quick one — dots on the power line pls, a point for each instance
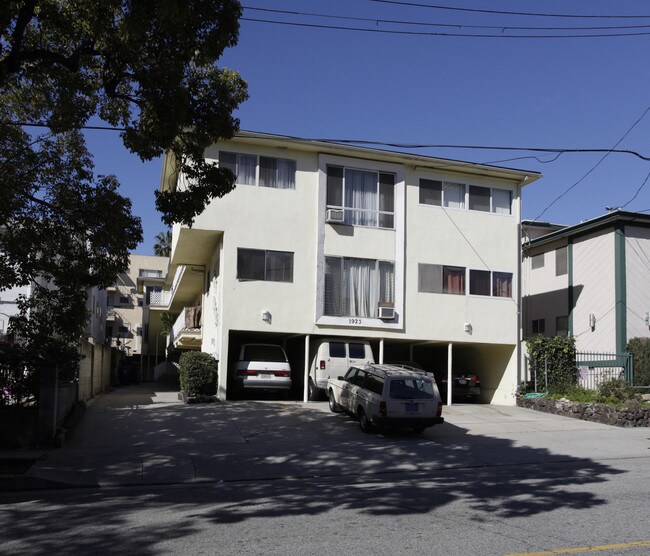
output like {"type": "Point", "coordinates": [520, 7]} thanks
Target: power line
{"type": "Point", "coordinates": [596, 165]}
{"type": "Point", "coordinates": [557, 151]}
{"type": "Point", "coordinates": [501, 28]}
{"type": "Point", "coordinates": [501, 12]}
{"type": "Point", "coordinates": [637, 191]}
{"type": "Point", "coordinates": [441, 34]}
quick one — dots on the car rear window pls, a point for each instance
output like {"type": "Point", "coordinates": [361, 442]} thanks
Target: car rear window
{"type": "Point", "coordinates": [263, 353]}
{"type": "Point", "coordinates": [337, 349]}
{"type": "Point", "coordinates": [357, 351]}
{"type": "Point", "coordinates": [411, 389]}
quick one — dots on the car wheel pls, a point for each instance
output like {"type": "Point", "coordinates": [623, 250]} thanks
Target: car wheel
{"type": "Point", "coordinates": [364, 422]}
{"type": "Point", "coordinates": [312, 392]}
{"type": "Point", "coordinates": [334, 407]}
{"type": "Point", "coordinates": [418, 430]}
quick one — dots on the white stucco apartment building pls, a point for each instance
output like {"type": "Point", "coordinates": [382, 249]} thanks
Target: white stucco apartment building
{"type": "Point", "coordinates": [418, 255]}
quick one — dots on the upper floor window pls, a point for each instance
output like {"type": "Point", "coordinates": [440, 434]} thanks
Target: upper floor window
{"type": "Point", "coordinates": [270, 266]}
{"type": "Point", "coordinates": [537, 261]}
{"type": "Point", "coordinates": [561, 326]}
{"type": "Point", "coordinates": [278, 173]}
{"type": "Point", "coordinates": [452, 195]}
{"type": "Point", "coordinates": [366, 197]}
{"type": "Point", "coordinates": [434, 278]}
{"type": "Point", "coordinates": [561, 261]}
{"type": "Point", "coordinates": [539, 326]}
{"type": "Point", "coordinates": [356, 287]}
{"type": "Point", "coordinates": [149, 273]}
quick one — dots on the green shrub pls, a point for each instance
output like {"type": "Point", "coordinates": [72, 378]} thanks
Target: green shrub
{"type": "Point", "coordinates": [576, 394]}
{"type": "Point", "coordinates": [554, 357]}
{"type": "Point", "coordinates": [198, 373]}
{"type": "Point", "coordinates": [640, 350]}
{"type": "Point", "coordinates": [616, 391]}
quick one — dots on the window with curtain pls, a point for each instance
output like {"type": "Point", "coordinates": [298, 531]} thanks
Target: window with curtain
{"type": "Point", "coordinates": [433, 278]}
{"type": "Point", "coordinates": [501, 201]}
{"type": "Point", "coordinates": [242, 165]}
{"type": "Point", "coordinates": [270, 266]}
{"type": "Point", "coordinates": [453, 195]}
{"type": "Point", "coordinates": [479, 198]}
{"type": "Point", "coordinates": [502, 284]}
{"type": "Point", "coordinates": [431, 192]}
{"type": "Point", "coordinates": [278, 173]}
{"type": "Point", "coordinates": [355, 287]}
{"type": "Point", "coordinates": [367, 197]}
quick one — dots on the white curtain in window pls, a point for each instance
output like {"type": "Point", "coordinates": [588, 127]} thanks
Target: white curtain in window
{"type": "Point", "coordinates": [501, 201]}
{"type": "Point", "coordinates": [362, 287]}
{"type": "Point", "coordinates": [454, 195]}
{"type": "Point", "coordinates": [386, 282]}
{"type": "Point", "coordinates": [361, 196]}
{"type": "Point", "coordinates": [246, 169]}
{"type": "Point", "coordinates": [286, 174]}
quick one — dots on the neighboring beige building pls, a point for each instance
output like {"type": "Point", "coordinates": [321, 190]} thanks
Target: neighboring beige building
{"type": "Point", "coordinates": [589, 280]}
{"type": "Point", "coordinates": [418, 255]}
{"type": "Point", "coordinates": [127, 319]}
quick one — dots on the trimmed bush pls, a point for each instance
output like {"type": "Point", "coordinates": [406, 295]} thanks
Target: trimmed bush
{"type": "Point", "coordinates": [198, 373]}
{"type": "Point", "coordinates": [640, 350]}
{"type": "Point", "coordinates": [555, 356]}
{"type": "Point", "coordinates": [616, 391]}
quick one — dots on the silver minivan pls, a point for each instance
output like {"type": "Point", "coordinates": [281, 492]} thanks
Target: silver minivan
{"type": "Point", "coordinates": [332, 358]}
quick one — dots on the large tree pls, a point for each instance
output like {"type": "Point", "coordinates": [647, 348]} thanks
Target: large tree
{"type": "Point", "coordinates": [146, 67]}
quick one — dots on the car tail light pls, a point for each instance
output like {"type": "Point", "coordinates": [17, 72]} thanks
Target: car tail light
{"type": "Point", "coordinates": [282, 373]}
{"type": "Point", "coordinates": [382, 409]}
{"type": "Point", "coordinates": [246, 372]}
{"type": "Point", "coordinates": [474, 379]}
{"type": "Point", "coordinates": [439, 410]}
{"type": "Point", "coordinates": [322, 365]}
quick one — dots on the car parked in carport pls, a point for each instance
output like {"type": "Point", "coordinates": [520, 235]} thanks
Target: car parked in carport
{"type": "Point", "coordinates": [262, 367]}
{"type": "Point", "coordinates": [387, 395]}
{"type": "Point", "coordinates": [466, 386]}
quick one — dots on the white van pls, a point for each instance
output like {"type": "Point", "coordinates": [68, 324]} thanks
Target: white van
{"type": "Point", "coordinates": [333, 357]}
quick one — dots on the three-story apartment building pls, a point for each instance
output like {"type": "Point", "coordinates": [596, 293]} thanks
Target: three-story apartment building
{"type": "Point", "coordinates": [418, 255]}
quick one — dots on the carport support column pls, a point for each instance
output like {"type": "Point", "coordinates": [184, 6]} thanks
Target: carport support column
{"type": "Point", "coordinates": [381, 351]}
{"type": "Point", "coordinates": [305, 389]}
{"type": "Point", "coordinates": [449, 381]}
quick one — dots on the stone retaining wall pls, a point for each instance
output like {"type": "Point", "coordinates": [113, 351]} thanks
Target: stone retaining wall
{"type": "Point", "coordinates": [598, 413]}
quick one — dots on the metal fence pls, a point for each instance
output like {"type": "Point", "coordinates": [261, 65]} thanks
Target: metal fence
{"type": "Point", "coordinates": [595, 368]}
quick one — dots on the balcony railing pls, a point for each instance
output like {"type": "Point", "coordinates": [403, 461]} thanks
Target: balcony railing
{"type": "Point", "coordinates": [160, 299]}
{"type": "Point", "coordinates": [186, 331]}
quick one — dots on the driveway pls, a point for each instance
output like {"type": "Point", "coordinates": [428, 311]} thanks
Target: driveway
{"type": "Point", "coordinates": [142, 434]}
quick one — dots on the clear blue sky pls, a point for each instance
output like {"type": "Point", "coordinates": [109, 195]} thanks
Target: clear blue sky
{"type": "Point", "coordinates": [337, 84]}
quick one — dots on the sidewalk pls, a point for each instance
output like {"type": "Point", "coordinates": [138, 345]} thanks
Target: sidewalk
{"type": "Point", "coordinates": [142, 434]}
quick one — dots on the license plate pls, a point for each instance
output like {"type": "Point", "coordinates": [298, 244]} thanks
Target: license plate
{"type": "Point", "coordinates": [462, 381]}
{"type": "Point", "coordinates": [410, 406]}
{"type": "Point", "coordinates": [266, 376]}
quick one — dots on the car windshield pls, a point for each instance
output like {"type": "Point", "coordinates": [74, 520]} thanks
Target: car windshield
{"type": "Point", "coordinates": [258, 352]}
{"type": "Point", "coordinates": [411, 389]}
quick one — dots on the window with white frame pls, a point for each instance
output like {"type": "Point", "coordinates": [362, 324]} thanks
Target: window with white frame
{"type": "Point", "coordinates": [260, 264]}
{"type": "Point", "coordinates": [355, 287]}
{"type": "Point", "coordinates": [452, 195]}
{"type": "Point", "coordinates": [277, 173]}
{"type": "Point", "coordinates": [366, 197]}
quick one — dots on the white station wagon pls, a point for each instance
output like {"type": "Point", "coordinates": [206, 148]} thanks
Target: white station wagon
{"type": "Point", "coordinates": [387, 395]}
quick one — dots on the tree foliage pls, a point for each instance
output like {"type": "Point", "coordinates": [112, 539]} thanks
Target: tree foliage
{"type": "Point", "coordinates": [163, 245]}
{"type": "Point", "coordinates": [147, 67]}
{"type": "Point", "coordinates": [553, 361]}
{"type": "Point", "coordinates": [640, 350]}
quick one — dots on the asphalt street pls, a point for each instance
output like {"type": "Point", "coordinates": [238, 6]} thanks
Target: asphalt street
{"type": "Point", "coordinates": [146, 474]}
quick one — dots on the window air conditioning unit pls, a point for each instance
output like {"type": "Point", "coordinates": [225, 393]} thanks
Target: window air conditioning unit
{"type": "Point", "coordinates": [386, 313]}
{"type": "Point", "coordinates": [335, 216]}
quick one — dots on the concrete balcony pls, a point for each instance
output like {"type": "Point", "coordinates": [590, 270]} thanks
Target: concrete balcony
{"type": "Point", "coordinates": [158, 300]}
{"type": "Point", "coordinates": [186, 332]}
{"type": "Point", "coordinates": [110, 314]}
